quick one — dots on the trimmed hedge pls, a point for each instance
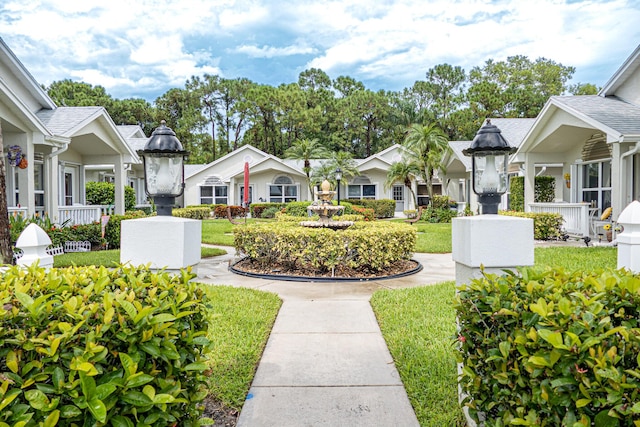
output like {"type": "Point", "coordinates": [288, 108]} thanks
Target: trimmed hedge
{"type": "Point", "coordinates": [551, 348]}
{"type": "Point", "coordinates": [104, 193]}
{"type": "Point", "coordinates": [382, 208]}
{"type": "Point", "coordinates": [369, 246]}
{"type": "Point", "coordinates": [96, 346]}
{"type": "Point", "coordinates": [258, 208]}
{"type": "Point", "coordinates": [193, 213]}
{"type": "Point", "coordinates": [544, 191]}
{"type": "Point", "coordinates": [546, 226]}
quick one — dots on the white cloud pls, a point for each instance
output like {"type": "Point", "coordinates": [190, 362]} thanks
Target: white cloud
{"type": "Point", "coordinates": [122, 44]}
{"type": "Point", "coordinates": [271, 51]}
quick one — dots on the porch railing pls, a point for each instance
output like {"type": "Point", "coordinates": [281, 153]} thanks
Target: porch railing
{"type": "Point", "coordinates": [575, 215]}
{"type": "Point", "coordinates": [76, 215]}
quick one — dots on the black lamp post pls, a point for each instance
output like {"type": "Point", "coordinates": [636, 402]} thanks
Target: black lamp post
{"type": "Point", "coordinates": [163, 160]}
{"type": "Point", "coordinates": [489, 153]}
{"type": "Point", "coordinates": [338, 176]}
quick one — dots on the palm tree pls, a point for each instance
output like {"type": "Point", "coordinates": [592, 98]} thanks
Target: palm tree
{"type": "Point", "coordinates": [425, 146]}
{"type": "Point", "coordinates": [327, 170]}
{"type": "Point", "coordinates": [307, 149]}
{"type": "Point", "coordinates": [403, 172]}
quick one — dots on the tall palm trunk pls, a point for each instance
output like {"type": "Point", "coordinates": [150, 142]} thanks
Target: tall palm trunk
{"type": "Point", "coordinates": [5, 234]}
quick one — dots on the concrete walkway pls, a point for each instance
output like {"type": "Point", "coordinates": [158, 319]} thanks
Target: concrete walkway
{"type": "Point", "coordinates": [326, 363]}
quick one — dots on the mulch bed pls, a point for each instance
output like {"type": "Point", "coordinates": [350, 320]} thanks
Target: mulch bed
{"type": "Point", "coordinates": [252, 266]}
{"type": "Point", "coordinates": [222, 416]}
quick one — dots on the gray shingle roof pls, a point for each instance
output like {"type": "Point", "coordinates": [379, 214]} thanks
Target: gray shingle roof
{"type": "Point", "coordinates": [513, 130]}
{"type": "Point", "coordinates": [457, 147]}
{"type": "Point", "coordinates": [63, 119]}
{"type": "Point", "coordinates": [611, 111]}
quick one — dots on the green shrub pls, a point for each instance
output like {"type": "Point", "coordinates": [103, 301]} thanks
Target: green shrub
{"type": "Point", "coordinates": [516, 193]}
{"type": "Point", "coordinates": [544, 191]}
{"type": "Point", "coordinates": [297, 208]}
{"type": "Point", "coordinates": [269, 212]}
{"type": "Point", "coordinates": [382, 208]}
{"type": "Point", "coordinates": [90, 232]}
{"type": "Point", "coordinates": [444, 215]}
{"type": "Point", "coordinates": [96, 346]}
{"type": "Point", "coordinates": [192, 212]}
{"type": "Point", "coordinates": [366, 246]}
{"type": "Point", "coordinates": [112, 230]}
{"type": "Point", "coordinates": [545, 225]}
{"type": "Point", "coordinates": [550, 348]}
{"type": "Point", "coordinates": [258, 208]}
{"type": "Point", "coordinates": [103, 193]}
{"type": "Point", "coordinates": [442, 202]}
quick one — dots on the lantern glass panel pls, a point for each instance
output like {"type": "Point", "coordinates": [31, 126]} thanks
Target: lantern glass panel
{"type": "Point", "coordinates": [490, 173]}
{"type": "Point", "coordinates": [164, 175]}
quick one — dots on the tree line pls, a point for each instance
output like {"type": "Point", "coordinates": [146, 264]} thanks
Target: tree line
{"type": "Point", "coordinates": [213, 116]}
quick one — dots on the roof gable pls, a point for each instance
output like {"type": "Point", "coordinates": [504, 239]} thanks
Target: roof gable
{"type": "Point", "coordinates": [624, 82]}
{"type": "Point", "coordinates": [18, 78]}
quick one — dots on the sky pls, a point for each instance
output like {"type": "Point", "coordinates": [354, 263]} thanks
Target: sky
{"type": "Point", "coordinates": [142, 48]}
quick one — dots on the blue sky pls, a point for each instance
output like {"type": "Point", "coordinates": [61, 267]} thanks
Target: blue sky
{"type": "Point", "coordinates": [142, 48]}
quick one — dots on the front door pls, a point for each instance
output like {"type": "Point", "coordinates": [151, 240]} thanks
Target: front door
{"type": "Point", "coordinates": [398, 196]}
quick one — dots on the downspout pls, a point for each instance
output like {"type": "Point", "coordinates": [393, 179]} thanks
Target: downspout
{"type": "Point", "coordinates": [543, 170]}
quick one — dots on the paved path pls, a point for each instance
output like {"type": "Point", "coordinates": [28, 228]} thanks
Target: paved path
{"type": "Point", "coordinates": [326, 363]}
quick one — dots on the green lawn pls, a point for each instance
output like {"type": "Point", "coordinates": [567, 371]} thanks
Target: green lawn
{"type": "Point", "coordinates": [418, 326]}
{"type": "Point", "coordinates": [240, 323]}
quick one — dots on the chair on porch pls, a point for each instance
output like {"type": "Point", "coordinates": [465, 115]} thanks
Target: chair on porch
{"type": "Point", "coordinates": [597, 224]}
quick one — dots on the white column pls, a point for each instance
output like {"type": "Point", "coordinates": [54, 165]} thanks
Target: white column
{"type": "Point", "coordinates": [495, 242]}
{"type": "Point", "coordinates": [529, 181]}
{"type": "Point", "coordinates": [163, 241]}
{"type": "Point", "coordinates": [629, 239]}
{"type": "Point", "coordinates": [119, 183]}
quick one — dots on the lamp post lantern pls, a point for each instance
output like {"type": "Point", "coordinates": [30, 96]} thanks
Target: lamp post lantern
{"type": "Point", "coordinates": [489, 153]}
{"type": "Point", "coordinates": [338, 176]}
{"type": "Point", "coordinates": [163, 160]}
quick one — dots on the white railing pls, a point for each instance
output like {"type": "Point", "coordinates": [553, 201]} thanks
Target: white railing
{"type": "Point", "coordinates": [575, 215]}
{"type": "Point", "coordinates": [76, 215]}
{"type": "Point", "coordinates": [18, 211]}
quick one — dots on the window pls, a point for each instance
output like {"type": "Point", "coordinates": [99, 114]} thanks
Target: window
{"type": "Point", "coordinates": [214, 194]}
{"type": "Point", "coordinates": [68, 188]}
{"type": "Point", "coordinates": [242, 194]}
{"type": "Point", "coordinates": [596, 184]}
{"type": "Point", "coordinates": [361, 188]}
{"type": "Point", "coordinates": [283, 190]}
{"type": "Point", "coordinates": [38, 177]}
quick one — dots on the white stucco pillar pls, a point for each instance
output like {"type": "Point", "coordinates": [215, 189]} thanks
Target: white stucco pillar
{"type": "Point", "coordinates": [162, 241]}
{"type": "Point", "coordinates": [529, 181]}
{"type": "Point", "coordinates": [119, 183]}
{"type": "Point", "coordinates": [629, 239]}
{"type": "Point", "coordinates": [617, 181]}
{"type": "Point", "coordinates": [495, 242]}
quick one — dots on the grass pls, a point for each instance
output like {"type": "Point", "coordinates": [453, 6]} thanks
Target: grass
{"type": "Point", "coordinates": [110, 257]}
{"type": "Point", "coordinates": [240, 323]}
{"type": "Point", "coordinates": [418, 326]}
{"type": "Point", "coordinates": [577, 258]}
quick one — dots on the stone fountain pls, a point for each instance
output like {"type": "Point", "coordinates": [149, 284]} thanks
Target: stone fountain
{"type": "Point", "coordinates": [326, 210]}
